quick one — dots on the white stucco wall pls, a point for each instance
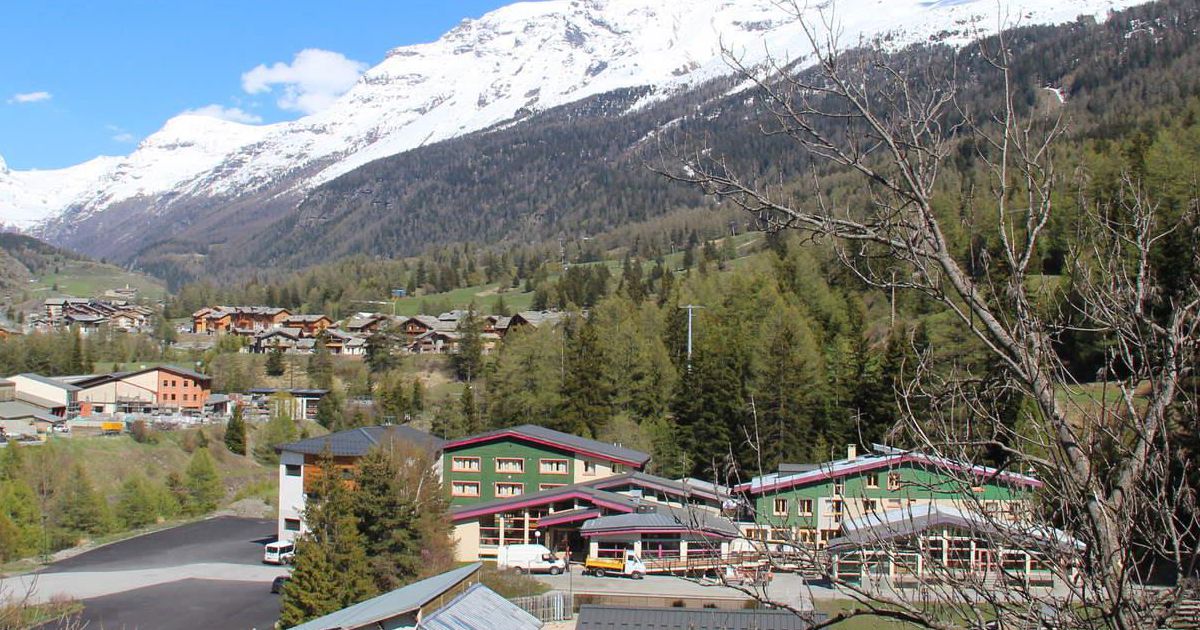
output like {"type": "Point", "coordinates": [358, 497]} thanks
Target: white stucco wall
{"type": "Point", "coordinates": [26, 385]}
{"type": "Point", "coordinates": [291, 494]}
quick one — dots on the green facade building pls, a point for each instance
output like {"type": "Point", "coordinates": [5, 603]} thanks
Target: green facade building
{"type": "Point", "coordinates": [808, 503]}
{"type": "Point", "coordinates": [526, 459]}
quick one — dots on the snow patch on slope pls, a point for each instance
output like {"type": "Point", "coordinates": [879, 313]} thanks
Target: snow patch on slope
{"type": "Point", "coordinates": [518, 59]}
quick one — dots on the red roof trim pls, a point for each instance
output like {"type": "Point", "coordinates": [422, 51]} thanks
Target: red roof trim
{"type": "Point", "coordinates": [517, 504]}
{"type": "Point", "coordinates": [521, 436]}
{"type": "Point", "coordinates": [655, 530]}
{"type": "Point", "coordinates": [881, 463]}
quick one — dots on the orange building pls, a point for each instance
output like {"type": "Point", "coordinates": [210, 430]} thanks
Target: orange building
{"type": "Point", "coordinates": [309, 325]}
{"type": "Point", "coordinates": [162, 388]}
{"type": "Point", "coordinates": [238, 319]}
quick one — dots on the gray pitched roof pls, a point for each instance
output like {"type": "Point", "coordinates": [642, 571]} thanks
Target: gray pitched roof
{"type": "Point", "coordinates": [358, 442]}
{"type": "Point", "coordinates": [640, 479]}
{"type": "Point", "coordinates": [663, 517]}
{"type": "Point", "coordinates": [593, 617]}
{"type": "Point", "coordinates": [480, 608]}
{"type": "Point", "coordinates": [876, 528]}
{"type": "Point", "coordinates": [563, 440]}
{"type": "Point", "coordinates": [16, 409]}
{"type": "Point", "coordinates": [390, 605]}
{"type": "Point", "coordinates": [49, 381]}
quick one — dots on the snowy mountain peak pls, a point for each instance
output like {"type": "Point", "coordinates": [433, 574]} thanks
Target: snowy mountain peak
{"type": "Point", "coordinates": [520, 58]}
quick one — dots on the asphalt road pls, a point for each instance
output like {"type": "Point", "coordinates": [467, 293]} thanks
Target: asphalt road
{"type": "Point", "coordinates": [224, 539]}
{"type": "Point", "coordinates": [202, 575]}
{"type": "Point", "coordinates": [185, 605]}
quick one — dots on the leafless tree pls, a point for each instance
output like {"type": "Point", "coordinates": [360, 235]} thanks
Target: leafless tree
{"type": "Point", "coordinates": [1112, 484]}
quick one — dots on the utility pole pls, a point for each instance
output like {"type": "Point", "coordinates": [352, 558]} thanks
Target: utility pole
{"type": "Point", "coordinates": [691, 308]}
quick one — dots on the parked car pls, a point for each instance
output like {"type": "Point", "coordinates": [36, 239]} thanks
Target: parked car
{"type": "Point", "coordinates": [279, 552]}
{"type": "Point", "coordinates": [278, 583]}
{"type": "Point", "coordinates": [530, 559]}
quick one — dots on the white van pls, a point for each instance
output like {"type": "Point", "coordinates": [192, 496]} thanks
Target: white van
{"type": "Point", "coordinates": [530, 559]}
{"type": "Point", "coordinates": [279, 552]}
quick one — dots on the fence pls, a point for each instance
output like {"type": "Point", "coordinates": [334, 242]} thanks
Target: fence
{"type": "Point", "coordinates": [552, 606]}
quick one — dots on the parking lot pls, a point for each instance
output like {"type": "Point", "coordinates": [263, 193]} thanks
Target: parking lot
{"type": "Point", "coordinates": [201, 575]}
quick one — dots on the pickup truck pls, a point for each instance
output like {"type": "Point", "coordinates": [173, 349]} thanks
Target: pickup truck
{"type": "Point", "coordinates": [630, 565]}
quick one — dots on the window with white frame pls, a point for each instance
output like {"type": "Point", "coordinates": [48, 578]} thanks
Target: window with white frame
{"type": "Point", "coordinates": [804, 507]}
{"type": "Point", "coordinates": [554, 466]}
{"type": "Point", "coordinates": [508, 489]}
{"type": "Point", "coordinates": [894, 481]}
{"type": "Point", "coordinates": [510, 465]}
{"type": "Point", "coordinates": [589, 468]}
{"type": "Point", "coordinates": [464, 488]}
{"type": "Point", "coordinates": [550, 486]}
{"type": "Point", "coordinates": [839, 487]}
{"type": "Point", "coordinates": [780, 507]}
{"type": "Point", "coordinates": [872, 480]}
{"type": "Point", "coordinates": [464, 464]}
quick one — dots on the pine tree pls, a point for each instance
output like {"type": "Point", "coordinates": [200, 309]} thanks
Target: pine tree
{"type": "Point", "coordinates": [235, 432]}
{"type": "Point", "coordinates": [137, 505]}
{"type": "Point", "coordinates": [585, 395]}
{"type": "Point", "coordinates": [275, 366]}
{"type": "Point", "coordinates": [311, 591]}
{"type": "Point", "coordinates": [76, 365]}
{"type": "Point", "coordinates": [19, 506]}
{"type": "Point", "coordinates": [320, 366]}
{"type": "Point", "coordinates": [472, 420]}
{"type": "Point", "coordinates": [381, 348]}
{"type": "Point", "coordinates": [468, 361]}
{"type": "Point", "coordinates": [709, 410]}
{"type": "Point", "coordinates": [387, 519]}
{"type": "Point", "coordinates": [331, 569]}
{"type": "Point", "coordinates": [329, 410]}
{"type": "Point", "coordinates": [84, 510]}
{"type": "Point", "coordinates": [631, 281]}
{"type": "Point", "coordinates": [203, 483]}
{"type": "Point", "coordinates": [501, 308]}
{"type": "Point", "coordinates": [417, 396]}
{"type": "Point", "coordinates": [789, 390]}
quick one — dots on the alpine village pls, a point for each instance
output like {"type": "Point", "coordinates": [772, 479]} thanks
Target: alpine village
{"type": "Point", "coordinates": [608, 315]}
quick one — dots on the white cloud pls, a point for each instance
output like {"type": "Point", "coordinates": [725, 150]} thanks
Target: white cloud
{"type": "Point", "coordinates": [312, 82]}
{"type": "Point", "coordinates": [30, 97]}
{"type": "Point", "coordinates": [232, 114]}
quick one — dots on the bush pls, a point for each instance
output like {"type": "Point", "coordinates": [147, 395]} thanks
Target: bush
{"type": "Point", "coordinates": [143, 433]}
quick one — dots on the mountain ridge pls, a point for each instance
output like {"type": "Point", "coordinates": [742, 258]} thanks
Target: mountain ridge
{"type": "Point", "coordinates": [498, 69]}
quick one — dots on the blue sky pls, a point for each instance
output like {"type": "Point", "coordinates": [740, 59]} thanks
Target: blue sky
{"type": "Point", "coordinates": [80, 79]}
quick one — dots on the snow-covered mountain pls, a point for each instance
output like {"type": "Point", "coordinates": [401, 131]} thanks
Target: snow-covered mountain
{"type": "Point", "coordinates": [518, 59]}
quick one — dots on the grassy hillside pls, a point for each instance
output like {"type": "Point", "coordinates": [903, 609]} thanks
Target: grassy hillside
{"type": "Point", "coordinates": [85, 278]}
{"type": "Point", "coordinates": [31, 271]}
{"type": "Point", "coordinates": [111, 460]}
